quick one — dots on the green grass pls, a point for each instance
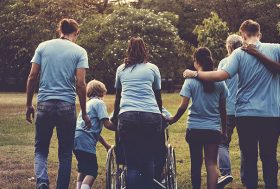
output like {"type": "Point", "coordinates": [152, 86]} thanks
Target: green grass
{"type": "Point", "coordinates": [17, 139]}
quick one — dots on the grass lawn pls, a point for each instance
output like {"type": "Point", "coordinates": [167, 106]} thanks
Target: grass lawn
{"type": "Point", "coordinates": [17, 139]}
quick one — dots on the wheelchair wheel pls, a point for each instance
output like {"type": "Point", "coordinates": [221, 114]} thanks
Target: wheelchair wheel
{"type": "Point", "coordinates": [111, 170]}
{"type": "Point", "coordinates": [171, 177]}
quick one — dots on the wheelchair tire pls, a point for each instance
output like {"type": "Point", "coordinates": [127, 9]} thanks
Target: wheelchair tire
{"type": "Point", "coordinates": [171, 175]}
{"type": "Point", "coordinates": [111, 170]}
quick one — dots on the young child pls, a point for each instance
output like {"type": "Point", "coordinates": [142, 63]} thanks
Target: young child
{"type": "Point", "coordinates": [86, 139]}
{"type": "Point", "coordinates": [206, 115]}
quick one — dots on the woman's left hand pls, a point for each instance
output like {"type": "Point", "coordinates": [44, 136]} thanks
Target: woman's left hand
{"type": "Point", "coordinates": [189, 73]}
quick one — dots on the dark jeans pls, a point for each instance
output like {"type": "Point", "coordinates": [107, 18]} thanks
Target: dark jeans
{"type": "Point", "coordinates": [62, 115]}
{"type": "Point", "coordinates": [259, 133]}
{"type": "Point", "coordinates": [223, 153]}
{"type": "Point", "coordinates": [139, 135]}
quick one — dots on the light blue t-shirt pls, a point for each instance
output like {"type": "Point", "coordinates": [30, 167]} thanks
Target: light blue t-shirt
{"type": "Point", "coordinates": [204, 112]}
{"type": "Point", "coordinates": [137, 83]}
{"type": "Point", "coordinates": [232, 85]}
{"type": "Point", "coordinates": [86, 140]}
{"type": "Point", "coordinates": [58, 60]}
{"type": "Point", "coordinates": [258, 89]}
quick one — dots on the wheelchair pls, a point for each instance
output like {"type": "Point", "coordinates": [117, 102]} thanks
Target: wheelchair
{"type": "Point", "coordinates": [116, 169]}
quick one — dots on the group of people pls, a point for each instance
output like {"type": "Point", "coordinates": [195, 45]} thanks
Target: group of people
{"type": "Point", "coordinates": [249, 100]}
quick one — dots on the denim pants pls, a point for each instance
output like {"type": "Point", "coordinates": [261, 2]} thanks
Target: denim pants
{"type": "Point", "coordinates": [223, 153]}
{"type": "Point", "coordinates": [259, 133]}
{"type": "Point", "coordinates": [139, 135]}
{"type": "Point", "coordinates": [62, 115]}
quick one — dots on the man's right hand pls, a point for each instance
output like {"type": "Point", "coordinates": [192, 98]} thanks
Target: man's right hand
{"type": "Point", "coordinates": [30, 112]}
{"type": "Point", "coordinates": [87, 121]}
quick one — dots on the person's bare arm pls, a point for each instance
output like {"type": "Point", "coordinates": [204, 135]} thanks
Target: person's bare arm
{"type": "Point", "coordinates": [158, 99]}
{"type": "Point", "coordinates": [181, 110]}
{"type": "Point", "coordinates": [270, 64]}
{"type": "Point", "coordinates": [30, 87]}
{"type": "Point", "coordinates": [117, 105]}
{"type": "Point", "coordinates": [223, 115]}
{"type": "Point", "coordinates": [109, 125]}
{"type": "Point", "coordinates": [219, 75]}
{"type": "Point", "coordinates": [104, 143]}
{"type": "Point", "coordinates": [81, 92]}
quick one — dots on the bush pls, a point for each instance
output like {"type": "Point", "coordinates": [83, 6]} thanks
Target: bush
{"type": "Point", "coordinates": [106, 38]}
{"type": "Point", "coordinates": [212, 33]}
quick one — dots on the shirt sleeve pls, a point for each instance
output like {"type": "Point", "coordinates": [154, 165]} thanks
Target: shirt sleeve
{"type": "Point", "coordinates": [186, 88]}
{"type": "Point", "coordinates": [224, 91]}
{"type": "Point", "coordinates": [37, 58]}
{"type": "Point", "coordinates": [83, 60]}
{"type": "Point", "coordinates": [157, 79]}
{"type": "Point", "coordinates": [221, 64]}
{"type": "Point", "coordinates": [118, 84]}
{"type": "Point", "coordinates": [233, 63]}
{"type": "Point", "coordinates": [102, 111]}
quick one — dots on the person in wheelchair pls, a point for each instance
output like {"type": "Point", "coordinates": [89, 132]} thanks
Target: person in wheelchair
{"type": "Point", "coordinates": [86, 139]}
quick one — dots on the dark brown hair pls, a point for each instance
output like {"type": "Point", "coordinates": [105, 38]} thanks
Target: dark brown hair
{"type": "Point", "coordinates": [67, 26]}
{"type": "Point", "coordinates": [203, 57]}
{"type": "Point", "coordinates": [250, 27]}
{"type": "Point", "coordinates": [136, 53]}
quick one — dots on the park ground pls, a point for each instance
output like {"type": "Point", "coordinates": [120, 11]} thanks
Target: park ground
{"type": "Point", "coordinates": [17, 140]}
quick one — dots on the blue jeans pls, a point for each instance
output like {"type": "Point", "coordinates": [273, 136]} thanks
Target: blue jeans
{"type": "Point", "coordinates": [259, 134]}
{"type": "Point", "coordinates": [62, 115]}
{"type": "Point", "coordinates": [223, 153]}
{"type": "Point", "coordinates": [140, 136]}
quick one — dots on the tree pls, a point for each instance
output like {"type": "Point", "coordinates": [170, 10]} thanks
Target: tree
{"type": "Point", "coordinates": [212, 33]}
{"type": "Point", "coordinates": [278, 27]}
{"type": "Point", "coordinates": [106, 37]}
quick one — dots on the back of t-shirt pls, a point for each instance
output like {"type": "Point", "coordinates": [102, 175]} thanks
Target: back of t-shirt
{"type": "Point", "coordinates": [137, 83]}
{"type": "Point", "coordinates": [258, 89]}
{"type": "Point", "coordinates": [204, 111]}
{"type": "Point", "coordinates": [59, 59]}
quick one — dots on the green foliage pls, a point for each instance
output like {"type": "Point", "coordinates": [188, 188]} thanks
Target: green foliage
{"type": "Point", "coordinates": [278, 27]}
{"type": "Point", "coordinates": [106, 38]}
{"type": "Point", "coordinates": [212, 33]}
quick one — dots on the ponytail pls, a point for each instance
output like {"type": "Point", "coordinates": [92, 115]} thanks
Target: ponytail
{"type": "Point", "coordinates": [204, 59]}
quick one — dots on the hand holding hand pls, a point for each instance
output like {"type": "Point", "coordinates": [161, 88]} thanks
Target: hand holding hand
{"type": "Point", "coordinates": [87, 121]}
{"type": "Point", "coordinates": [171, 120]}
{"type": "Point", "coordinates": [189, 73]}
{"type": "Point", "coordinates": [224, 137]}
{"type": "Point", "coordinates": [30, 112]}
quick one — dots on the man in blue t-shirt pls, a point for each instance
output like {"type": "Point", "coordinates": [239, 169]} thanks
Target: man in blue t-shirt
{"type": "Point", "coordinates": [233, 42]}
{"type": "Point", "coordinates": [257, 105]}
{"type": "Point", "coordinates": [61, 65]}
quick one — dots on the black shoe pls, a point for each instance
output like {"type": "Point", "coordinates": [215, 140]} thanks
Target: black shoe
{"type": "Point", "coordinates": [42, 186]}
{"type": "Point", "coordinates": [224, 180]}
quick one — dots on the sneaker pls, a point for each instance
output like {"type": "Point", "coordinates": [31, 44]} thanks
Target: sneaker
{"type": "Point", "coordinates": [42, 186]}
{"type": "Point", "coordinates": [224, 180]}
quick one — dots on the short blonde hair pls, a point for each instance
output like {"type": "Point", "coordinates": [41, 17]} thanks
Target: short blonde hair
{"type": "Point", "coordinates": [96, 88]}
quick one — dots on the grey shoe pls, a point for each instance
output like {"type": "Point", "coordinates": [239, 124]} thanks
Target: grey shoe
{"type": "Point", "coordinates": [42, 186]}
{"type": "Point", "coordinates": [223, 181]}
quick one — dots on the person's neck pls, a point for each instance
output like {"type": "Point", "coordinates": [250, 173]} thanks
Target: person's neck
{"type": "Point", "coordinates": [68, 37]}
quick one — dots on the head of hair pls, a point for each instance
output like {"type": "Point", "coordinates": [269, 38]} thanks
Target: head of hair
{"type": "Point", "coordinates": [67, 26]}
{"type": "Point", "coordinates": [203, 57]}
{"type": "Point", "coordinates": [250, 27]}
{"type": "Point", "coordinates": [96, 88]}
{"type": "Point", "coordinates": [234, 41]}
{"type": "Point", "coordinates": [136, 53]}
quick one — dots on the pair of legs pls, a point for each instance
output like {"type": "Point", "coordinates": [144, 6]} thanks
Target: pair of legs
{"type": "Point", "coordinates": [223, 152]}
{"type": "Point", "coordinates": [208, 141]}
{"type": "Point", "coordinates": [259, 134]}
{"type": "Point", "coordinates": [62, 115]}
{"type": "Point", "coordinates": [139, 135]}
{"type": "Point", "coordinates": [87, 169]}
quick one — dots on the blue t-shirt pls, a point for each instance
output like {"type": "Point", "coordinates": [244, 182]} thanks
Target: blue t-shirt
{"type": "Point", "coordinates": [58, 60]}
{"type": "Point", "coordinates": [86, 140]}
{"type": "Point", "coordinates": [232, 85]}
{"type": "Point", "coordinates": [137, 83]}
{"type": "Point", "coordinates": [204, 112]}
{"type": "Point", "coordinates": [258, 89]}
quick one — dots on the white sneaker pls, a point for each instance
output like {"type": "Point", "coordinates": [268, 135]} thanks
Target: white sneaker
{"type": "Point", "coordinates": [224, 180]}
